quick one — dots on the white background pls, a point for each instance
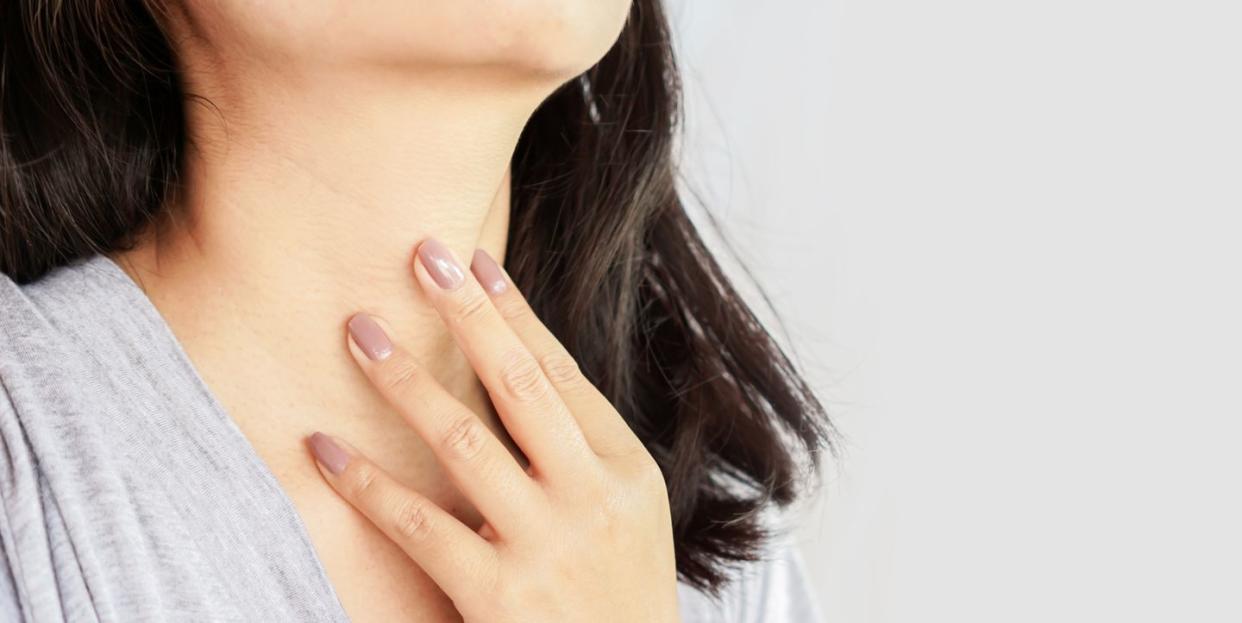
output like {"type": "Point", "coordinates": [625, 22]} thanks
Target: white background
{"type": "Point", "coordinates": [1004, 239]}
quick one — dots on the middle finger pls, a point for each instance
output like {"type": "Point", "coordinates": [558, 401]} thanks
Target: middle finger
{"type": "Point", "coordinates": [529, 406]}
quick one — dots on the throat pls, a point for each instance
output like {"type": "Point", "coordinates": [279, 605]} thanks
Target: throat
{"type": "Point", "coordinates": [294, 213]}
{"type": "Point", "coordinates": [264, 325]}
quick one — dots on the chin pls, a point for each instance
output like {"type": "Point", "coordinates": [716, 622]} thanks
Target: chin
{"type": "Point", "coordinates": [559, 38]}
{"type": "Point", "coordinates": [555, 37]}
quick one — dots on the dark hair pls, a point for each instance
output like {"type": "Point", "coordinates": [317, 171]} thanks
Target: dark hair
{"type": "Point", "coordinates": [91, 135]}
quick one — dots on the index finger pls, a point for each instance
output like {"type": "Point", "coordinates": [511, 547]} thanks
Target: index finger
{"type": "Point", "coordinates": [457, 558]}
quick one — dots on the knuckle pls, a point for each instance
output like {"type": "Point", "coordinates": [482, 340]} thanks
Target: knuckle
{"type": "Point", "coordinates": [592, 488]}
{"type": "Point", "coordinates": [628, 448]}
{"type": "Point", "coordinates": [524, 378]}
{"type": "Point", "coordinates": [641, 470]}
{"type": "Point", "coordinates": [644, 463]}
{"type": "Point", "coordinates": [650, 475]}
{"type": "Point", "coordinates": [411, 520]}
{"type": "Point", "coordinates": [512, 309]}
{"type": "Point", "coordinates": [362, 479]}
{"type": "Point", "coordinates": [562, 369]}
{"type": "Point", "coordinates": [613, 507]}
{"type": "Point", "coordinates": [473, 303]}
{"type": "Point", "coordinates": [400, 373]}
{"type": "Point", "coordinates": [465, 438]}
{"type": "Point", "coordinates": [612, 511]}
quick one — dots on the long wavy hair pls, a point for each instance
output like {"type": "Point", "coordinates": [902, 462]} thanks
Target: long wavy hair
{"type": "Point", "coordinates": [92, 135]}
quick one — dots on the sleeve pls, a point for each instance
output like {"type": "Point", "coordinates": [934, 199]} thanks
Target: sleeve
{"type": "Point", "coordinates": [773, 590]}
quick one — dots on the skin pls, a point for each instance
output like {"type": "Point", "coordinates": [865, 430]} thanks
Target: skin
{"type": "Point", "coordinates": [583, 533]}
{"type": "Point", "coordinates": [328, 140]}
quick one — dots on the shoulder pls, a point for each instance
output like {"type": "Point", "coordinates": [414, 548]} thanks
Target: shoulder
{"type": "Point", "coordinates": [774, 588]}
{"type": "Point", "coordinates": [69, 312]}
{"type": "Point", "coordinates": [31, 311]}
{"type": "Point", "coordinates": [56, 342]}
{"type": "Point", "coordinates": [67, 393]}
{"type": "Point", "coordinates": [34, 319]}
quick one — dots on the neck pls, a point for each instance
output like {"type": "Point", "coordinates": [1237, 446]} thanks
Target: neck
{"type": "Point", "coordinates": [339, 178]}
{"type": "Point", "coordinates": [301, 203]}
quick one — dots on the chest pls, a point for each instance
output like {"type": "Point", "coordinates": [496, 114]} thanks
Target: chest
{"type": "Point", "coordinates": [372, 577]}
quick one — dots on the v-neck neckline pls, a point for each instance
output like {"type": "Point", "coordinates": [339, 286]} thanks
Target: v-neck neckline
{"type": "Point", "coordinates": [259, 468]}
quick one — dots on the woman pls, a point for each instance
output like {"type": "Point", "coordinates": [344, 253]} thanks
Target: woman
{"type": "Point", "coordinates": [234, 232]}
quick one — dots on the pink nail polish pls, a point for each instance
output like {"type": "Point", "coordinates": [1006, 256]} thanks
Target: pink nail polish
{"type": "Point", "coordinates": [328, 453]}
{"type": "Point", "coordinates": [370, 337]}
{"type": "Point", "coordinates": [488, 272]}
{"type": "Point", "coordinates": [439, 262]}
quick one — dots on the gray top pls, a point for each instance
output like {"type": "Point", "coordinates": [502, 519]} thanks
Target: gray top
{"type": "Point", "coordinates": [128, 494]}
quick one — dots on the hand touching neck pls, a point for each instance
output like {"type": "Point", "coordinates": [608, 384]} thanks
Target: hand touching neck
{"type": "Point", "coordinates": [301, 201]}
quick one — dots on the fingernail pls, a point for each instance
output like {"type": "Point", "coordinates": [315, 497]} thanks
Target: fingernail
{"type": "Point", "coordinates": [438, 261]}
{"type": "Point", "coordinates": [370, 337]}
{"type": "Point", "coordinates": [328, 453]}
{"type": "Point", "coordinates": [488, 272]}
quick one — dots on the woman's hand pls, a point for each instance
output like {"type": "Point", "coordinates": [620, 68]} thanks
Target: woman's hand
{"type": "Point", "coordinates": [583, 535]}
